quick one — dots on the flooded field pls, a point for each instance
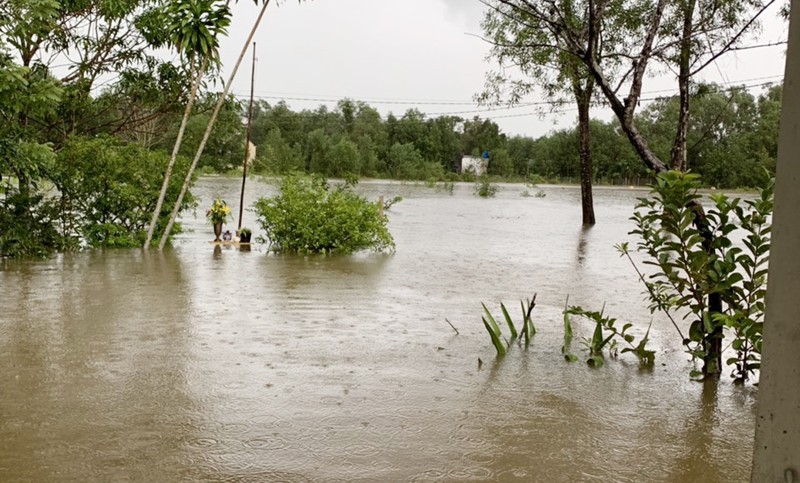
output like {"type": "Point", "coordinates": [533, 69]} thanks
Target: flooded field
{"type": "Point", "coordinates": [225, 365]}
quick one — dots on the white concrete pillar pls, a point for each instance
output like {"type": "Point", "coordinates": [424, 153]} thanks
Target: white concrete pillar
{"type": "Point", "coordinates": [777, 443]}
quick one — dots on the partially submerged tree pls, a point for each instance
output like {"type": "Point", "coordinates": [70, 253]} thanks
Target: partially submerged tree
{"type": "Point", "coordinates": [685, 36]}
{"type": "Point", "coordinates": [533, 56]}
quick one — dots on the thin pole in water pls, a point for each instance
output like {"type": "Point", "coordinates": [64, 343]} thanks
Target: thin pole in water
{"type": "Point", "coordinates": [247, 141]}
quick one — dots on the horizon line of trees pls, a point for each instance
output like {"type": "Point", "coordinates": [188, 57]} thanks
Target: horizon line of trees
{"type": "Point", "coordinates": [732, 139]}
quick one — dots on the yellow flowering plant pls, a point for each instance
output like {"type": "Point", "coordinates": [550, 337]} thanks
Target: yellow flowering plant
{"type": "Point", "coordinates": [219, 212]}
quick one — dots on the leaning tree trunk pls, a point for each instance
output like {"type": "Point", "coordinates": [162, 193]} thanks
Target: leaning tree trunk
{"type": "Point", "coordinates": [196, 79]}
{"type": "Point", "coordinates": [188, 180]}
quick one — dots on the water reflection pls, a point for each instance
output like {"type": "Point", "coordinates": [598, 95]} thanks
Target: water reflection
{"type": "Point", "coordinates": [583, 239]}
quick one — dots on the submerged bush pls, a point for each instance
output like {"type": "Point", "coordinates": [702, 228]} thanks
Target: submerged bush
{"type": "Point", "coordinates": [29, 227]}
{"type": "Point", "coordinates": [108, 190]}
{"type": "Point", "coordinates": [308, 216]}
{"type": "Point", "coordinates": [484, 187]}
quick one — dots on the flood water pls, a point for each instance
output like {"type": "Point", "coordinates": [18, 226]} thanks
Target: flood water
{"type": "Point", "coordinates": [226, 365]}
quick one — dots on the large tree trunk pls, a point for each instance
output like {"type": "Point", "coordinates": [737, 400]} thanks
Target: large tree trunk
{"type": "Point", "coordinates": [584, 96]}
{"type": "Point", "coordinates": [196, 79]}
{"type": "Point", "coordinates": [188, 180]}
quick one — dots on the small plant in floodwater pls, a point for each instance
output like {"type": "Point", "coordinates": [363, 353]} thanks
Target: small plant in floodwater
{"type": "Point", "coordinates": [540, 194]}
{"type": "Point", "coordinates": [446, 186]}
{"type": "Point", "coordinates": [525, 194]}
{"type": "Point", "coordinates": [565, 348]}
{"type": "Point", "coordinates": [389, 203]}
{"type": "Point", "coordinates": [484, 187]}
{"type": "Point", "coordinates": [604, 338]}
{"type": "Point", "coordinates": [528, 330]}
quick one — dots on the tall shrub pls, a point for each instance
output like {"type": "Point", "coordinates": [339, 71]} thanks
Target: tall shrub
{"type": "Point", "coordinates": [718, 281]}
{"type": "Point", "coordinates": [308, 216]}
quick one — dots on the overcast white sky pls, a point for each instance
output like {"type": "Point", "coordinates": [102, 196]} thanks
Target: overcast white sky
{"type": "Point", "coordinates": [415, 53]}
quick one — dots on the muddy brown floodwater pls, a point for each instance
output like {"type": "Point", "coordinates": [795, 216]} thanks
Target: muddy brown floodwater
{"type": "Point", "coordinates": [204, 365]}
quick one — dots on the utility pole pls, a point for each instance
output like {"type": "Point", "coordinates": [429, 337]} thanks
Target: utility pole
{"type": "Point", "coordinates": [247, 141]}
{"type": "Point", "coordinates": [776, 456]}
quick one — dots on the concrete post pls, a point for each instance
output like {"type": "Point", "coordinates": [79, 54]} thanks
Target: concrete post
{"type": "Point", "coordinates": [777, 442]}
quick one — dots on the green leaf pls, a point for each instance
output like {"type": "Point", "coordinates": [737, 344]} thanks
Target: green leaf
{"type": "Point", "coordinates": [509, 321]}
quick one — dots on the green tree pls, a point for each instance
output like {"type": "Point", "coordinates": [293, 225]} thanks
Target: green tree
{"type": "Point", "coordinates": [344, 158]}
{"type": "Point", "coordinates": [318, 147]}
{"type": "Point", "coordinates": [662, 31]}
{"type": "Point", "coordinates": [500, 163]}
{"type": "Point", "coordinates": [108, 188]}
{"type": "Point", "coordinates": [534, 43]}
{"type": "Point", "coordinates": [276, 156]}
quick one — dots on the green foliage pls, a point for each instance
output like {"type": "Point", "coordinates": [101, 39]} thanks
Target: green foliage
{"type": "Point", "coordinates": [108, 189]}
{"type": "Point", "coordinates": [732, 137]}
{"type": "Point", "coordinates": [605, 336]}
{"type": "Point", "coordinates": [29, 226]}
{"type": "Point", "coordinates": [195, 27]}
{"type": "Point", "coordinates": [724, 255]}
{"type": "Point", "coordinates": [310, 217]}
{"type": "Point", "coordinates": [484, 187]}
{"type": "Point", "coordinates": [528, 330]}
{"type": "Point", "coordinates": [387, 205]}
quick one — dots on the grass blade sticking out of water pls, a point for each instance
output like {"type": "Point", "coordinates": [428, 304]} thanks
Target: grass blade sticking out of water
{"type": "Point", "coordinates": [525, 324]}
{"type": "Point", "coordinates": [495, 328]}
{"type": "Point", "coordinates": [509, 322]}
{"type": "Point", "coordinates": [567, 336]}
{"type": "Point", "coordinates": [495, 336]}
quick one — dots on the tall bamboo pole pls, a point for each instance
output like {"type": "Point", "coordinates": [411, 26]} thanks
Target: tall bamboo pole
{"type": "Point", "coordinates": [210, 127]}
{"type": "Point", "coordinates": [247, 141]}
{"type": "Point", "coordinates": [196, 79]}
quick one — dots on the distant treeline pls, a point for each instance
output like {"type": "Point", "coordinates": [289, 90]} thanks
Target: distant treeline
{"type": "Point", "coordinates": [732, 139]}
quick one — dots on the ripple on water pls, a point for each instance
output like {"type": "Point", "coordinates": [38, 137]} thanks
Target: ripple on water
{"type": "Point", "coordinates": [363, 450]}
{"type": "Point", "coordinates": [266, 419]}
{"type": "Point", "coordinates": [429, 475]}
{"type": "Point", "coordinates": [202, 443]}
{"type": "Point", "coordinates": [269, 443]}
{"type": "Point", "coordinates": [235, 385]}
{"type": "Point", "coordinates": [235, 428]}
{"type": "Point", "coordinates": [484, 459]}
{"type": "Point", "coordinates": [331, 400]}
{"type": "Point", "coordinates": [470, 473]}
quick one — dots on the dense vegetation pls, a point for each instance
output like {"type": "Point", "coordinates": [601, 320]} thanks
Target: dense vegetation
{"type": "Point", "coordinates": [83, 138]}
{"type": "Point", "coordinates": [82, 98]}
{"type": "Point", "coordinates": [732, 137]}
{"type": "Point", "coordinates": [309, 216]}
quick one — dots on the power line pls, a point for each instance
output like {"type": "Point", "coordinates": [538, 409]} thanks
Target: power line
{"type": "Point", "coordinates": [432, 102]}
{"type": "Point", "coordinates": [562, 109]}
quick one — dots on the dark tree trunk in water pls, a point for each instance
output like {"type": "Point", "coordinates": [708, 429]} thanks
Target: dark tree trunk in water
{"type": "Point", "coordinates": [587, 203]}
{"type": "Point", "coordinates": [712, 343]}
{"type": "Point", "coordinates": [712, 340]}
{"type": "Point", "coordinates": [583, 94]}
